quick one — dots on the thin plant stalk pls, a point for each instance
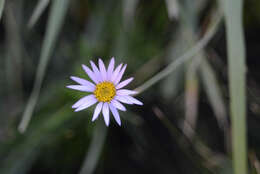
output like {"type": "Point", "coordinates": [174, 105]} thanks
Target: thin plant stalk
{"type": "Point", "coordinates": [2, 4]}
{"type": "Point", "coordinates": [38, 11]}
{"type": "Point", "coordinates": [237, 82]}
{"type": "Point", "coordinates": [57, 14]}
{"type": "Point", "coordinates": [95, 149]}
{"type": "Point", "coordinates": [185, 57]}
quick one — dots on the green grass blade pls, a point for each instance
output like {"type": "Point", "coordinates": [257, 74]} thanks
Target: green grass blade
{"type": "Point", "coordinates": [28, 146]}
{"type": "Point", "coordinates": [41, 6]}
{"type": "Point", "coordinates": [2, 4]}
{"type": "Point", "coordinates": [183, 58]}
{"type": "Point", "coordinates": [191, 100]}
{"type": "Point", "coordinates": [212, 88]}
{"type": "Point", "coordinates": [57, 14]}
{"type": "Point", "coordinates": [237, 82]}
{"type": "Point", "coordinates": [95, 149]}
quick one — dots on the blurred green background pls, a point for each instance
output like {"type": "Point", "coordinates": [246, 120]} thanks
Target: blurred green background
{"type": "Point", "coordinates": [184, 125]}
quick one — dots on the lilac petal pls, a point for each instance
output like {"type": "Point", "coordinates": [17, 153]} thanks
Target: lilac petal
{"type": "Point", "coordinates": [82, 81]}
{"type": "Point", "coordinates": [92, 100]}
{"type": "Point", "coordinates": [81, 88]}
{"type": "Point", "coordinates": [115, 73]}
{"type": "Point", "coordinates": [125, 92]}
{"type": "Point", "coordinates": [91, 74]}
{"type": "Point", "coordinates": [96, 71]}
{"type": "Point", "coordinates": [123, 99]}
{"type": "Point", "coordinates": [118, 105]}
{"type": "Point", "coordinates": [105, 111]}
{"type": "Point", "coordinates": [115, 114]}
{"type": "Point", "coordinates": [120, 75]}
{"type": "Point", "coordinates": [82, 101]}
{"type": "Point", "coordinates": [102, 69]}
{"type": "Point", "coordinates": [133, 100]}
{"type": "Point", "coordinates": [110, 68]}
{"type": "Point", "coordinates": [124, 83]}
{"type": "Point", "coordinates": [97, 111]}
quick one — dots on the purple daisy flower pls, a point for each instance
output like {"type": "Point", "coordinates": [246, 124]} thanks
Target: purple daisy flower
{"type": "Point", "coordinates": [106, 90]}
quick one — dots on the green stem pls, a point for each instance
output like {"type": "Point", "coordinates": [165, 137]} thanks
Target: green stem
{"type": "Point", "coordinates": [55, 21]}
{"type": "Point", "coordinates": [95, 149]}
{"type": "Point", "coordinates": [237, 81]}
{"type": "Point", "coordinates": [2, 4]}
{"type": "Point", "coordinates": [185, 57]}
{"type": "Point", "coordinates": [38, 11]}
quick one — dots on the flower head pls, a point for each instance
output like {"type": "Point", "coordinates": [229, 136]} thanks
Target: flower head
{"type": "Point", "coordinates": [106, 90]}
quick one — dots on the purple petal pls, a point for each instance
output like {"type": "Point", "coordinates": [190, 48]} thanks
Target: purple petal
{"type": "Point", "coordinates": [97, 111]}
{"type": "Point", "coordinates": [96, 71]}
{"type": "Point", "coordinates": [123, 99]}
{"type": "Point", "coordinates": [125, 92]}
{"type": "Point", "coordinates": [82, 101]}
{"type": "Point", "coordinates": [115, 114]}
{"type": "Point", "coordinates": [115, 73]}
{"type": "Point", "coordinates": [124, 83]}
{"type": "Point", "coordinates": [105, 111]}
{"type": "Point", "coordinates": [133, 100]}
{"type": "Point", "coordinates": [81, 88]}
{"type": "Point", "coordinates": [82, 81]}
{"type": "Point", "coordinates": [91, 75]}
{"type": "Point", "coordinates": [92, 100]}
{"type": "Point", "coordinates": [118, 105]}
{"type": "Point", "coordinates": [120, 75]}
{"type": "Point", "coordinates": [110, 68]}
{"type": "Point", "coordinates": [102, 69]}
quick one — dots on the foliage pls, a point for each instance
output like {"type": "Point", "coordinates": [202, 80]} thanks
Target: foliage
{"type": "Point", "coordinates": [176, 50]}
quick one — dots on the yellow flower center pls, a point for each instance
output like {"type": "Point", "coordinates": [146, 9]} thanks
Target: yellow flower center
{"type": "Point", "coordinates": [105, 91]}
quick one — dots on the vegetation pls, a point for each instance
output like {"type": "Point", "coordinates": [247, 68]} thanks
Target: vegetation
{"type": "Point", "coordinates": [195, 69]}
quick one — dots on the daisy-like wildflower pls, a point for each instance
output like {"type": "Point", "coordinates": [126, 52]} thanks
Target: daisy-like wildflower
{"type": "Point", "coordinates": [106, 90]}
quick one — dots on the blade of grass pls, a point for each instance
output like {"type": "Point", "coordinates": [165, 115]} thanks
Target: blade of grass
{"type": "Point", "coordinates": [129, 8]}
{"type": "Point", "coordinates": [213, 91]}
{"type": "Point", "coordinates": [14, 54]}
{"type": "Point", "coordinates": [172, 9]}
{"type": "Point", "coordinates": [191, 101]}
{"type": "Point", "coordinates": [2, 4]}
{"type": "Point", "coordinates": [41, 6]}
{"type": "Point", "coordinates": [185, 57]}
{"type": "Point", "coordinates": [95, 149]}
{"type": "Point", "coordinates": [26, 149]}
{"type": "Point", "coordinates": [212, 159]}
{"type": "Point", "coordinates": [174, 82]}
{"type": "Point", "coordinates": [189, 22]}
{"type": "Point", "coordinates": [237, 82]}
{"type": "Point", "coordinates": [57, 15]}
